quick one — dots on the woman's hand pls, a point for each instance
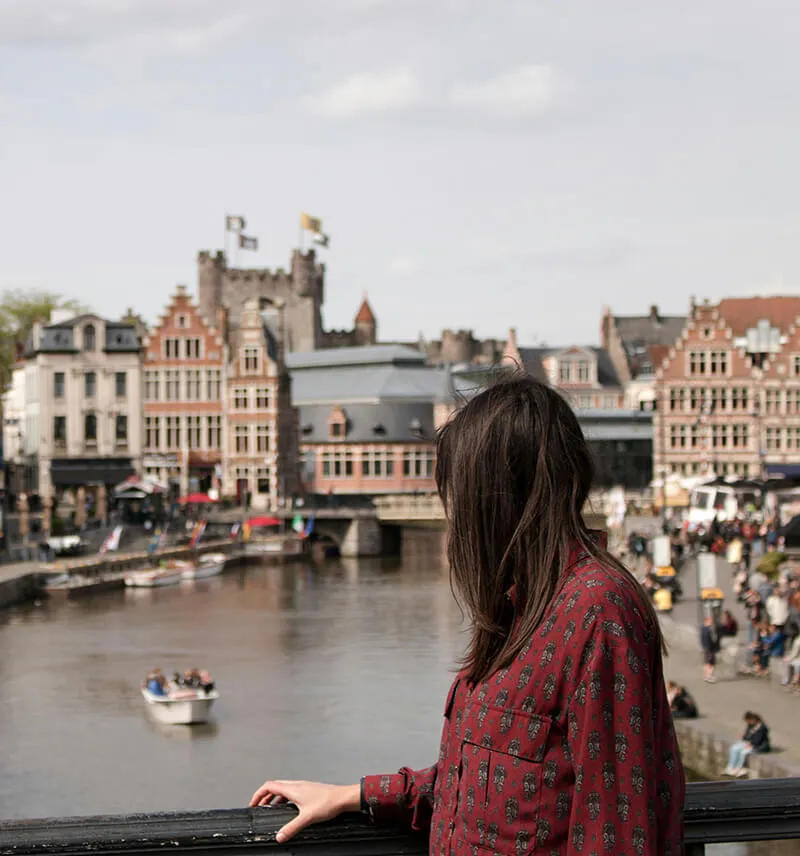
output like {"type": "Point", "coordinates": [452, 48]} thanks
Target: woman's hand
{"type": "Point", "coordinates": [316, 802]}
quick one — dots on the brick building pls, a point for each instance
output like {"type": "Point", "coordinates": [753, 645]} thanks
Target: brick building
{"type": "Point", "coordinates": [185, 363]}
{"type": "Point", "coordinates": [728, 391]}
{"type": "Point", "coordinates": [262, 429]}
{"type": "Point", "coordinates": [368, 418]}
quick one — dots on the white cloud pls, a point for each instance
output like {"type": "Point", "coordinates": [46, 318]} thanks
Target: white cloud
{"type": "Point", "coordinates": [525, 91]}
{"type": "Point", "coordinates": [367, 93]}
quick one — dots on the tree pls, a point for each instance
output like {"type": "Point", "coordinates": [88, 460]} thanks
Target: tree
{"type": "Point", "coordinates": [19, 310]}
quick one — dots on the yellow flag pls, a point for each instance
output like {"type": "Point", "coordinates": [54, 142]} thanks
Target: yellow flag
{"type": "Point", "coordinates": [312, 224]}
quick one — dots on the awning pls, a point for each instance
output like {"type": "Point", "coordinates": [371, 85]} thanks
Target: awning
{"type": "Point", "coordinates": [787, 471]}
{"type": "Point", "coordinates": [74, 472]}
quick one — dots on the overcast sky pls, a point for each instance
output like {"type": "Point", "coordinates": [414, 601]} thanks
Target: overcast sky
{"type": "Point", "coordinates": [476, 164]}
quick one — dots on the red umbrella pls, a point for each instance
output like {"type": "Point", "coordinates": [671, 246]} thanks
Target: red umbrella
{"type": "Point", "coordinates": [196, 499]}
{"type": "Point", "coordinates": [264, 521]}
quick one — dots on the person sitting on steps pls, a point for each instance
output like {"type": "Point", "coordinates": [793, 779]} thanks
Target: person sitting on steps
{"type": "Point", "coordinates": [754, 739]}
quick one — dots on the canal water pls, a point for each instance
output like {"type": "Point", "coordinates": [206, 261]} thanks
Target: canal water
{"type": "Point", "coordinates": [328, 673]}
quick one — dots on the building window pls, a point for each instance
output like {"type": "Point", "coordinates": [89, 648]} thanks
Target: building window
{"type": "Point", "coordinates": [719, 398]}
{"type": "Point", "coordinates": [694, 436]}
{"type": "Point", "coordinates": [173, 432]}
{"type": "Point", "coordinates": [122, 429]}
{"type": "Point", "coordinates": [214, 432]}
{"type": "Point", "coordinates": [418, 463]}
{"type": "Point", "coordinates": [180, 322]}
{"type": "Point", "coordinates": [214, 385]}
{"type": "Point", "coordinates": [796, 365]}
{"type": "Point", "coordinates": [793, 437]}
{"type": "Point", "coordinates": [719, 436]}
{"type": "Point", "coordinates": [772, 439]}
{"type": "Point", "coordinates": [793, 401]}
{"type": "Point", "coordinates": [740, 436]}
{"type": "Point", "coordinates": [172, 349]}
{"type": "Point", "coordinates": [584, 372]}
{"type": "Point", "coordinates": [697, 362]}
{"type": "Point", "coordinates": [677, 398]}
{"type": "Point", "coordinates": [263, 433]}
{"type": "Point", "coordinates": [152, 432]}
{"type": "Point", "coordinates": [60, 431]}
{"type": "Point", "coordinates": [377, 463]}
{"type": "Point", "coordinates": [250, 360]}
{"type": "Point", "coordinates": [337, 464]}
{"type": "Point", "coordinates": [772, 400]}
{"type": "Point", "coordinates": [194, 432]}
{"type": "Point", "coordinates": [90, 428]}
{"type": "Point", "coordinates": [337, 429]}
{"type": "Point", "coordinates": [697, 397]}
{"type": "Point", "coordinates": [121, 384]}
{"type": "Point", "coordinates": [240, 396]}
{"type": "Point", "coordinates": [263, 480]}
{"type": "Point", "coordinates": [241, 435]}
{"type": "Point", "coordinates": [263, 398]}
{"type": "Point", "coordinates": [192, 349]}
{"type": "Point", "coordinates": [677, 436]}
{"type": "Point", "coordinates": [193, 385]}
{"type": "Point", "coordinates": [739, 398]}
{"type": "Point", "coordinates": [172, 390]}
{"type": "Point", "coordinates": [89, 339]}
{"type": "Point", "coordinates": [609, 402]}
{"type": "Point", "coordinates": [59, 384]}
{"type": "Point", "coordinates": [584, 402]}
{"type": "Point", "coordinates": [152, 382]}
{"type": "Point", "coordinates": [90, 384]}
{"type": "Point", "coordinates": [564, 372]}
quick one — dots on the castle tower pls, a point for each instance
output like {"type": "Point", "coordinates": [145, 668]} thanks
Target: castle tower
{"type": "Point", "coordinates": [210, 273]}
{"type": "Point", "coordinates": [366, 326]}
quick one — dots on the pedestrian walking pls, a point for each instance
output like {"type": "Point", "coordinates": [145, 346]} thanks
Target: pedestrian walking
{"type": "Point", "coordinates": [709, 641]}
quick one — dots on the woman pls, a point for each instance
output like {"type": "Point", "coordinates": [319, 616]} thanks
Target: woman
{"type": "Point", "coordinates": [557, 735]}
{"type": "Point", "coordinates": [754, 739]}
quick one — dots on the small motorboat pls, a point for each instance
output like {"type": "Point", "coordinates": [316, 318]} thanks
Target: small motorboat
{"type": "Point", "coordinates": [183, 707]}
{"type": "Point", "coordinates": [208, 565]}
{"type": "Point", "coordinates": [154, 577]}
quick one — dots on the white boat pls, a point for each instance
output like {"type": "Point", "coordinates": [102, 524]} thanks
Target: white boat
{"type": "Point", "coordinates": [187, 707]}
{"type": "Point", "coordinates": [207, 566]}
{"type": "Point", "coordinates": [154, 577]}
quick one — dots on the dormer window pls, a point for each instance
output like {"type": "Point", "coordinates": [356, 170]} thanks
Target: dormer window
{"type": "Point", "coordinates": [416, 429]}
{"type": "Point", "coordinates": [89, 343]}
{"type": "Point", "coordinates": [379, 430]}
{"type": "Point", "coordinates": [584, 371]}
{"type": "Point", "coordinates": [565, 371]}
{"type": "Point", "coordinates": [337, 424]}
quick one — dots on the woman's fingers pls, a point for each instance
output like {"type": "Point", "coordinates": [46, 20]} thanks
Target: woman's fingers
{"type": "Point", "coordinates": [293, 827]}
{"type": "Point", "coordinates": [269, 790]}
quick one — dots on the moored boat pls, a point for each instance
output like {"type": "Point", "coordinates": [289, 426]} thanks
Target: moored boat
{"type": "Point", "coordinates": [208, 565]}
{"type": "Point", "coordinates": [153, 577]}
{"type": "Point", "coordinates": [186, 707]}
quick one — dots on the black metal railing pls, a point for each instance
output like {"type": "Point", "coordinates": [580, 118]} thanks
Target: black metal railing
{"type": "Point", "coordinates": [716, 813]}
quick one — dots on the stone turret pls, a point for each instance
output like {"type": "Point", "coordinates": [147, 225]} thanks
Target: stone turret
{"type": "Point", "coordinates": [366, 325]}
{"type": "Point", "coordinates": [306, 275]}
{"type": "Point", "coordinates": [210, 273]}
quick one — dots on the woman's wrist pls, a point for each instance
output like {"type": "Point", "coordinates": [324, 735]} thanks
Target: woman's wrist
{"type": "Point", "coordinates": [351, 798]}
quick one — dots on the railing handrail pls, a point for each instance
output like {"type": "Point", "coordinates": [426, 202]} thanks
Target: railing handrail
{"type": "Point", "coordinates": [716, 813]}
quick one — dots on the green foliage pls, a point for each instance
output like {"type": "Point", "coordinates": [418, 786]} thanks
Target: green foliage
{"type": "Point", "coordinates": [770, 563]}
{"type": "Point", "coordinates": [19, 309]}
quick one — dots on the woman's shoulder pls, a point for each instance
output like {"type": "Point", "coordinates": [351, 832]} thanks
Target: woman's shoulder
{"type": "Point", "coordinates": [598, 598]}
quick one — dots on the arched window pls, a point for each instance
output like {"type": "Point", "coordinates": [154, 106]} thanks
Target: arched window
{"type": "Point", "coordinates": [89, 343]}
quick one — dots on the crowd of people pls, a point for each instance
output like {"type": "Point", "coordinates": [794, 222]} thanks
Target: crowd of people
{"type": "Point", "coordinates": [191, 680]}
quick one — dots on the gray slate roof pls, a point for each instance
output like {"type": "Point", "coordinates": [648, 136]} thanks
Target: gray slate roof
{"type": "Point", "coordinates": [606, 373]}
{"type": "Point", "coordinates": [640, 332]}
{"type": "Point", "coordinates": [371, 374]}
{"type": "Point", "coordinates": [60, 337]}
{"type": "Point", "coordinates": [397, 421]}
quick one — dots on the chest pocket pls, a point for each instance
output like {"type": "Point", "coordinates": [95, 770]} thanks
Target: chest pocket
{"type": "Point", "coordinates": [500, 785]}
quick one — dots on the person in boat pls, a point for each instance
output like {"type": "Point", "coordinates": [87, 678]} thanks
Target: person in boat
{"type": "Point", "coordinates": [157, 683]}
{"type": "Point", "coordinates": [206, 682]}
{"type": "Point", "coordinates": [557, 732]}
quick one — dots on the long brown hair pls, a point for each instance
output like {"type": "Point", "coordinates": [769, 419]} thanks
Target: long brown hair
{"type": "Point", "coordinates": [514, 471]}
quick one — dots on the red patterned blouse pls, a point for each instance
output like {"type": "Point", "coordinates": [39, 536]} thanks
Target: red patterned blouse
{"type": "Point", "coordinates": [571, 750]}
